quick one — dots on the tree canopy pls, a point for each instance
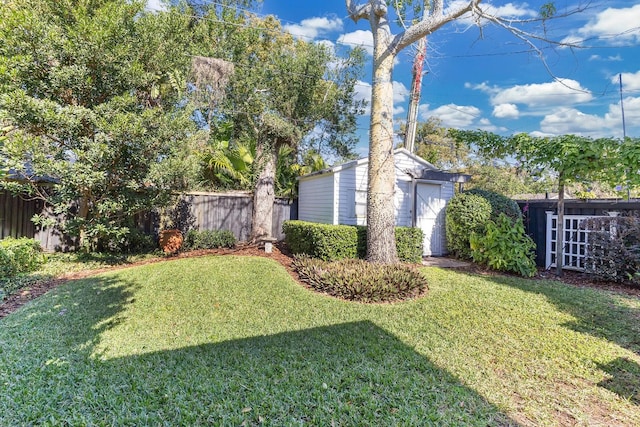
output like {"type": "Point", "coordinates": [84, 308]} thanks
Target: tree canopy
{"type": "Point", "coordinates": [87, 88]}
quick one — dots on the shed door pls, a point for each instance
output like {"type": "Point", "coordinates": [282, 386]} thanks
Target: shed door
{"type": "Point", "coordinates": [430, 217]}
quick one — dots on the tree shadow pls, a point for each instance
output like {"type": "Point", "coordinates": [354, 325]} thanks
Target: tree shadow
{"type": "Point", "coordinates": [346, 374]}
{"type": "Point", "coordinates": [625, 378]}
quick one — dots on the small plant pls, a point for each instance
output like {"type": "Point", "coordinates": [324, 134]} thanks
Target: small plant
{"type": "Point", "coordinates": [209, 239]}
{"type": "Point", "coordinates": [504, 246]}
{"type": "Point", "coordinates": [613, 253]}
{"type": "Point", "coordinates": [466, 213]}
{"type": "Point", "coordinates": [19, 256]}
{"type": "Point", "coordinates": [358, 280]}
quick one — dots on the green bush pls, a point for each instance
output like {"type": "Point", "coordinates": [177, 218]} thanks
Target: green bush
{"type": "Point", "coordinates": [358, 280]}
{"type": "Point", "coordinates": [499, 203]}
{"type": "Point", "coordinates": [19, 256]}
{"type": "Point", "coordinates": [466, 213]}
{"type": "Point", "coordinates": [333, 242]}
{"type": "Point", "coordinates": [209, 239]}
{"type": "Point", "coordinates": [504, 246]}
{"type": "Point", "coordinates": [409, 242]}
{"type": "Point", "coordinates": [613, 253]}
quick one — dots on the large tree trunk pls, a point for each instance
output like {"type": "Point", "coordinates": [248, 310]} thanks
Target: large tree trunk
{"type": "Point", "coordinates": [264, 193]}
{"type": "Point", "coordinates": [381, 244]}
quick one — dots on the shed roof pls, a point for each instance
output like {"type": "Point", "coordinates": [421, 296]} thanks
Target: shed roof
{"type": "Point", "coordinates": [365, 160]}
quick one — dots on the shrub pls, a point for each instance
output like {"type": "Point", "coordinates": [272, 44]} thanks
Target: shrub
{"type": "Point", "coordinates": [613, 253]}
{"type": "Point", "coordinates": [358, 280]}
{"type": "Point", "coordinates": [466, 213]}
{"type": "Point", "coordinates": [19, 256]}
{"type": "Point", "coordinates": [333, 242]}
{"type": "Point", "coordinates": [209, 239]}
{"type": "Point", "coordinates": [504, 246]}
{"type": "Point", "coordinates": [499, 203]}
{"type": "Point", "coordinates": [409, 242]}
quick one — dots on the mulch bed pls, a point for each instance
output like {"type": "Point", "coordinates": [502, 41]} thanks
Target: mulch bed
{"type": "Point", "coordinates": [283, 256]}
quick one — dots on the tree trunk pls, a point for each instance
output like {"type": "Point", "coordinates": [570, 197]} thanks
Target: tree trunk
{"type": "Point", "coordinates": [560, 228]}
{"type": "Point", "coordinates": [381, 244]}
{"type": "Point", "coordinates": [264, 192]}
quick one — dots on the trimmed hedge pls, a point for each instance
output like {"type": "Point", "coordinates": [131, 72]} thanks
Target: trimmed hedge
{"type": "Point", "coordinates": [333, 242]}
{"type": "Point", "coordinates": [499, 203]}
{"type": "Point", "coordinates": [19, 256]}
{"type": "Point", "coordinates": [466, 214]}
{"type": "Point", "coordinates": [209, 239]}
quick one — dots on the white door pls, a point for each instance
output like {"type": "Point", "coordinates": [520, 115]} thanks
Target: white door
{"type": "Point", "coordinates": [430, 217]}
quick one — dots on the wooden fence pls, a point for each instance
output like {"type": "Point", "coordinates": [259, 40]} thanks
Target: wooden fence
{"type": "Point", "coordinates": [535, 216]}
{"type": "Point", "coordinates": [202, 211]}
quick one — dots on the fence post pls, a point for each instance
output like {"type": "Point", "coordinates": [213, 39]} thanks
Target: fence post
{"type": "Point", "coordinates": [547, 252]}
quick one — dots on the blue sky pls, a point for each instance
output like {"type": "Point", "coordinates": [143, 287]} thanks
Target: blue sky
{"type": "Point", "coordinates": [490, 81]}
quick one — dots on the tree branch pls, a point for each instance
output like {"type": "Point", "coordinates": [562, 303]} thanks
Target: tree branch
{"type": "Point", "coordinates": [430, 22]}
{"type": "Point", "coordinates": [358, 11]}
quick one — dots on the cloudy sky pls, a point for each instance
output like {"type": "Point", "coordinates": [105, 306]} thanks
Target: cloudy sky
{"type": "Point", "coordinates": [492, 80]}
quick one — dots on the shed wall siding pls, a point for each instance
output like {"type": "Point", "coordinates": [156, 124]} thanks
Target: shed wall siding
{"type": "Point", "coordinates": [404, 162]}
{"type": "Point", "coordinates": [316, 199]}
{"type": "Point", "coordinates": [351, 180]}
{"type": "Point", "coordinates": [448, 191]}
{"type": "Point", "coordinates": [403, 202]}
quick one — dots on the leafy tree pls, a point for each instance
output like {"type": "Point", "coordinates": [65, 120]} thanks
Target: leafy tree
{"type": "Point", "coordinates": [417, 19]}
{"type": "Point", "coordinates": [282, 91]}
{"type": "Point", "coordinates": [433, 143]}
{"type": "Point", "coordinates": [87, 87]}
{"type": "Point", "coordinates": [575, 159]}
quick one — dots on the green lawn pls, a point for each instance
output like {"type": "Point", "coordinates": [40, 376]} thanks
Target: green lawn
{"type": "Point", "coordinates": [232, 340]}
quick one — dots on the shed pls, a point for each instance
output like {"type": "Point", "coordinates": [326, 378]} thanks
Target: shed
{"type": "Point", "coordinates": [338, 195]}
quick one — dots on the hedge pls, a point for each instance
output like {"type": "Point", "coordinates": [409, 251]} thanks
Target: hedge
{"type": "Point", "coordinates": [333, 242]}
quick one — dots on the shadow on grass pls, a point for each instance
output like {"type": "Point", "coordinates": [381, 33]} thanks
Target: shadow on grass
{"type": "Point", "coordinates": [346, 374]}
{"type": "Point", "coordinates": [625, 379]}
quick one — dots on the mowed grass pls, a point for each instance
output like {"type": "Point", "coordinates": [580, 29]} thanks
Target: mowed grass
{"type": "Point", "coordinates": [234, 340]}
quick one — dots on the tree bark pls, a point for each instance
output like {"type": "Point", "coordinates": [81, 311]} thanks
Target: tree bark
{"type": "Point", "coordinates": [264, 193]}
{"type": "Point", "coordinates": [381, 244]}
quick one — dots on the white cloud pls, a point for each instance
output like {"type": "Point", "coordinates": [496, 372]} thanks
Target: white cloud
{"type": "Point", "coordinates": [614, 26]}
{"type": "Point", "coordinates": [630, 81]}
{"type": "Point", "coordinates": [571, 121]}
{"type": "Point", "coordinates": [509, 10]}
{"type": "Point", "coordinates": [557, 93]}
{"type": "Point", "coordinates": [616, 58]}
{"type": "Point", "coordinates": [363, 93]}
{"type": "Point", "coordinates": [398, 109]}
{"type": "Point", "coordinates": [452, 115]}
{"type": "Point", "coordinates": [313, 27]}
{"type": "Point", "coordinates": [400, 92]}
{"type": "Point", "coordinates": [359, 38]}
{"type": "Point", "coordinates": [156, 5]}
{"type": "Point", "coordinates": [506, 111]}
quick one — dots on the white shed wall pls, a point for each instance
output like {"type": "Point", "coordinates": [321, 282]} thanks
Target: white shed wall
{"type": "Point", "coordinates": [350, 181]}
{"type": "Point", "coordinates": [316, 199]}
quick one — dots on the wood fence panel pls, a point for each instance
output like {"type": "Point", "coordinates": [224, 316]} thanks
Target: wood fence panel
{"type": "Point", "coordinates": [202, 211]}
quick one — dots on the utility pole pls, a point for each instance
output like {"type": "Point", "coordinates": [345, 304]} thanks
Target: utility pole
{"type": "Point", "coordinates": [414, 97]}
{"type": "Point", "coordinates": [624, 135]}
